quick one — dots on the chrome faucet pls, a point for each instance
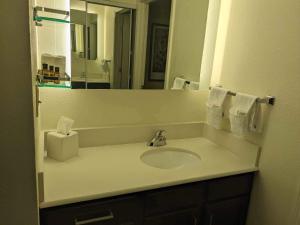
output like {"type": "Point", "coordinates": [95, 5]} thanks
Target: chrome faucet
{"type": "Point", "coordinates": [159, 139]}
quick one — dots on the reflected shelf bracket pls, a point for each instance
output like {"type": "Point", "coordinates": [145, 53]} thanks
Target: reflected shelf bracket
{"type": "Point", "coordinates": [39, 19]}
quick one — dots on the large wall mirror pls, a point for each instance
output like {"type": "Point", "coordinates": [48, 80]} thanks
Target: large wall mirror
{"type": "Point", "coordinates": [137, 44]}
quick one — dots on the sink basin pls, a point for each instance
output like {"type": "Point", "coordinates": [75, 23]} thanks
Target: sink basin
{"type": "Point", "coordinates": [170, 158]}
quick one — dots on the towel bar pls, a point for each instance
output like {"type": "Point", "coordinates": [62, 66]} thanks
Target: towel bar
{"type": "Point", "coordinates": [269, 100]}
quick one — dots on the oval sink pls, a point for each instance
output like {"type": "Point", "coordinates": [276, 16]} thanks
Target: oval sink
{"type": "Point", "coordinates": [169, 158]}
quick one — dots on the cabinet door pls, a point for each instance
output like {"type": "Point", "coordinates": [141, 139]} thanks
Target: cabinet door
{"type": "Point", "coordinates": [174, 199]}
{"type": "Point", "coordinates": [123, 211]}
{"type": "Point", "coordinates": [227, 212]}
{"type": "Point", "coordinates": [229, 187]}
{"type": "Point", "coordinates": [177, 218]}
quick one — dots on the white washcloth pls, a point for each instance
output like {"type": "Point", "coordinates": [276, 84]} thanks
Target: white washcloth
{"type": "Point", "coordinates": [64, 125]}
{"type": "Point", "coordinates": [179, 84]}
{"type": "Point", "coordinates": [194, 86]}
{"type": "Point", "coordinates": [215, 107]}
{"type": "Point", "coordinates": [242, 114]}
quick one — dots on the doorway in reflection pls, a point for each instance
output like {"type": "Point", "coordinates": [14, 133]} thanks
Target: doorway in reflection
{"type": "Point", "coordinates": [102, 40]}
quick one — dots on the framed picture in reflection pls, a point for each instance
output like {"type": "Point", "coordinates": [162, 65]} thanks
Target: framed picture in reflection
{"type": "Point", "coordinates": [159, 51]}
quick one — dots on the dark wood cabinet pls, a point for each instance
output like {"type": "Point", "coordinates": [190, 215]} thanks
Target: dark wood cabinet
{"type": "Point", "coordinates": [184, 217]}
{"type": "Point", "coordinates": [221, 201]}
{"type": "Point", "coordinates": [119, 211]}
{"type": "Point", "coordinates": [227, 212]}
{"type": "Point", "coordinates": [173, 199]}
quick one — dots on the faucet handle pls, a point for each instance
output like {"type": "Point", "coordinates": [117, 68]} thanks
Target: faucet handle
{"type": "Point", "coordinates": [159, 139]}
{"type": "Point", "coordinates": [161, 133]}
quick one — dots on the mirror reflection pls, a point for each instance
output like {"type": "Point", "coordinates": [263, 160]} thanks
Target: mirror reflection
{"type": "Point", "coordinates": [78, 35]}
{"type": "Point", "coordinates": [102, 42]}
{"type": "Point", "coordinates": [157, 44]}
{"type": "Point", "coordinates": [117, 46]}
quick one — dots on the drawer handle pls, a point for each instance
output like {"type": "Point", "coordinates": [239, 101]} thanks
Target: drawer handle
{"type": "Point", "coordinates": [195, 220]}
{"type": "Point", "coordinates": [211, 219]}
{"type": "Point", "coordinates": [94, 220]}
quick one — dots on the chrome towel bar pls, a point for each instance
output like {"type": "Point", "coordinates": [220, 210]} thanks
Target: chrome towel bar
{"type": "Point", "coordinates": [269, 100]}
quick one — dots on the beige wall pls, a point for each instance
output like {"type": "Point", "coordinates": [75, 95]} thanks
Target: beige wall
{"type": "Point", "coordinates": [261, 56]}
{"type": "Point", "coordinates": [94, 108]}
{"type": "Point", "coordinates": [187, 39]}
{"type": "Point", "coordinates": [18, 199]}
{"type": "Point", "coordinates": [209, 43]}
{"type": "Point", "coordinates": [225, 10]}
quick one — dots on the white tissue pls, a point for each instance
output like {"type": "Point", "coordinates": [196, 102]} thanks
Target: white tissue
{"type": "Point", "coordinates": [64, 125]}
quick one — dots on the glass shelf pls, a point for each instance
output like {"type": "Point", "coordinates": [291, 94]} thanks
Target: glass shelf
{"type": "Point", "coordinates": [52, 85]}
{"type": "Point", "coordinates": [42, 18]}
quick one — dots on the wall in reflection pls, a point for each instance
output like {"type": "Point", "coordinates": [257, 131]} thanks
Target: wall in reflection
{"type": "Point", "coordinates": [187, 40]}
{"type": "Point", "coordinates": [157, 44]}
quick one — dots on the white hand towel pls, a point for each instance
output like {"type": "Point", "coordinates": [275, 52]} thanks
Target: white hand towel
{"type": "Point", "coordinates": [179, 84]}
{"type": "Point", "coordinates": [194, 86]}
{"type": "Point", "coordinates": [215, 116]}
{"type": "Point", "coordinates": [242, 113]}
{"type": "Point", "coordinates": [64, 125]}
{"type": "Point", "coordinates": [217, 96]}
{"type": "Point", "coordinates": [256, 120]}
{"type": "Point", "coordinates": [215, 107]}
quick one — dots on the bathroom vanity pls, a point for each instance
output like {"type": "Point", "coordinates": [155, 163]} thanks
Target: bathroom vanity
{"type": "Point", "coordinates": [202, 176]}
{"type": "Point", "coordinates": [222, 201]}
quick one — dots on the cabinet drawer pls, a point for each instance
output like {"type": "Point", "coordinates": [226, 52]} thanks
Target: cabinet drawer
{"type": "Point", "coordinates": [229, 187]}
{"type": "Point", "coordinates": [188, 217]}
{"type": "Point", "coordinates": [175, 198]}
{"type": "Point", "coordinates": [122, 211]}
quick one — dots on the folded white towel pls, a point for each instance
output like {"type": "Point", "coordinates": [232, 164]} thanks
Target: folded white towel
{"type": "Point", "coordinates": [215, 116]}
{"type": "Point", "coordinates": [217, 96]}
{"type": "Point", "coordinates": [256, 120]}
{"type": "Point", "coordinates": [215, 107]}
{"type": "Point", "coordinates": [179, 84]}
{"type": "Point", "coordinates": [194, 86]}
{"type": "Point", "coordinates": [242, 114]}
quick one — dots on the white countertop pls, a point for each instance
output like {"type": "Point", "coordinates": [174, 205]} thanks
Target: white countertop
{"type": "Point", "coordinates": [107, 171]}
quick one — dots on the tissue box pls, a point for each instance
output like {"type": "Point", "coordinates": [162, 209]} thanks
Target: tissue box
{"type": "Point", "coordinates": [62, 147]}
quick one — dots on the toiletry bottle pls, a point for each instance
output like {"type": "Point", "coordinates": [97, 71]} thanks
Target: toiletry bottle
{"type": "Point", "coordinates": [45, 72]}
{"type": "Point", "coordinates": [51, 71]}
{"type": "Point", "coordinates": [45, 69]}
{"type": "Point", "coordinates": [57, 75]}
